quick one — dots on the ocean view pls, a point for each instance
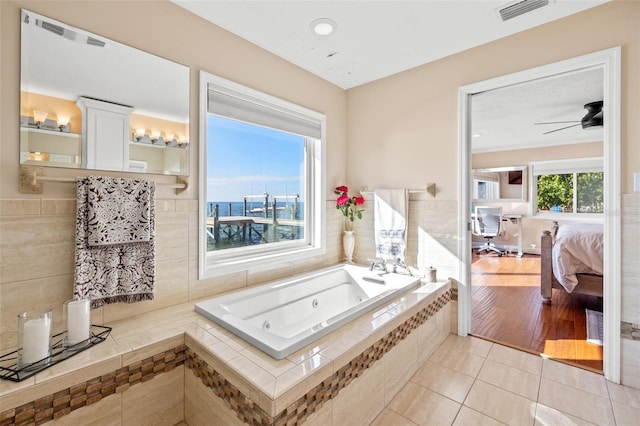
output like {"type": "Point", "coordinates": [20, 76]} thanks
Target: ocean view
{"type": "Point", "coordinates": [256, 209]}
{"type": "Point", "coordinates": [235, 227]}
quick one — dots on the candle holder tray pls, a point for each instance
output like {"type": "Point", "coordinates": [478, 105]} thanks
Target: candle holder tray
{"type": "Point", "coordinates": [9, 369]}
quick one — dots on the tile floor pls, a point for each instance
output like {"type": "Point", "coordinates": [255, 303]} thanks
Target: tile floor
{"type": "Point", "coordinates": [469, 381]}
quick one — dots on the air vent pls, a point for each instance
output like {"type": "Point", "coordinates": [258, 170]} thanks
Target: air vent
{"type": "Point", "coordinates": [95, 42]}
{"type": "Point", "coordinates": [56, 29]}
{"type": "Point", "coordinates": [69, 34]}
{"type": "Point", "coordinates": [520, 7]}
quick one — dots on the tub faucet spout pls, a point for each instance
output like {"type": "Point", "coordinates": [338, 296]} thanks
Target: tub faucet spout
{"type": "Point", "coordinates": [401, 263]}
{"type": "Point", "coordinates": [379, 264]}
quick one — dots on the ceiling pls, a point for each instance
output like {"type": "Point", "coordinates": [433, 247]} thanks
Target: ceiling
{"type": "Point", "coordinates": [375, 39]}
{"type": "Point", "coordinates": [372, 39]}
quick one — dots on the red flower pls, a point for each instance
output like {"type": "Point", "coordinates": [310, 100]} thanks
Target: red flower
{"type": "Point", "coordinates": [348, 205]}
{"type": "Point", "coordinates": [342, 200]}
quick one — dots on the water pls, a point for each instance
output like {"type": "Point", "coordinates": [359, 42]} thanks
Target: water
{"type": "Point", "coordinates": [235, 236]}
{"type": "Point", "coordinates": [235, 208]}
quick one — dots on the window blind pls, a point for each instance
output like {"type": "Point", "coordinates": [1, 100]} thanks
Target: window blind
{"type": "Point", "coordinates": [244, 108]}
{"type": "Point", "coordinates": [580, 165]}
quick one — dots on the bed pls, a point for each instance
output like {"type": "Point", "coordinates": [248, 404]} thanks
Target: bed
{"type": "Point", "coordinates": [571, 260]}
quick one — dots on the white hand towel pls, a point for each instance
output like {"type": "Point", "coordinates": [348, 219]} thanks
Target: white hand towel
{"type": "Point", "coordinates": [390, 222]}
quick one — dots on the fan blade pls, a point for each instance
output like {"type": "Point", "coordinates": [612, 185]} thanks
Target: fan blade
{"type": "Point", "coordinates": [562, 128]}
{"type": "Point", "coordinates": [558, 122]}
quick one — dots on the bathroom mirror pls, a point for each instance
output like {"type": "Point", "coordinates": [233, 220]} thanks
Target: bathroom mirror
{"type": "Point", "coordinates": [500, 184]}
{"type": "Point", "coordinates": [89, 102]}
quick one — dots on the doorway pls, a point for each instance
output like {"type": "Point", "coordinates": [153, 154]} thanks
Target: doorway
{"type": "Point", "coordinates": [609, 62]}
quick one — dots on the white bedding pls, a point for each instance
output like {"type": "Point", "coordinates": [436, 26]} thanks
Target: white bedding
{"type": "Point", "coordinates": [577, 250]}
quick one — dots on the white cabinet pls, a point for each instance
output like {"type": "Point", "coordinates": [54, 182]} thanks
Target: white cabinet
{"type": "Point", "coordinates": [105, 134]}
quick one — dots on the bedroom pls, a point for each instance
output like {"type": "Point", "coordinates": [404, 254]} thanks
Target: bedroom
{"type": "Point", "coordinates": [526, 162]}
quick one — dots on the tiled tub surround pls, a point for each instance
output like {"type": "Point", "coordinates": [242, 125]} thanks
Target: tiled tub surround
{"type": "Point", "coordinates": [406, 331]}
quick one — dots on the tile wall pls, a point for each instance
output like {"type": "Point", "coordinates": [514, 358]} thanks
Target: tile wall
{"type": "Point", "coordinates": [36, 259]}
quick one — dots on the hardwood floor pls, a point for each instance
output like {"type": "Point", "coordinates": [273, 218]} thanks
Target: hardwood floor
{"type": "Point", "coordinates": [506, 308]}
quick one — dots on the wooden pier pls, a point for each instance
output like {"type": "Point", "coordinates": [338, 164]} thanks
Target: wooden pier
{"type": "Point", "coordinates": [232, 228]}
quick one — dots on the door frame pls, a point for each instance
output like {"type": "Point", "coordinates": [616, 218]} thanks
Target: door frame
{"type": "Point", "coordinates": [609, 61]}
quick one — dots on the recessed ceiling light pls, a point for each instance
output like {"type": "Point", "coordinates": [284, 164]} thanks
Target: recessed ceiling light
{"type": "Point", "coordinates": [323, 26]}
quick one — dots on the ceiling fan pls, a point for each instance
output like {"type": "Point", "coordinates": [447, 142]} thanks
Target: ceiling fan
{"type": "Point", "coordinates": [592, 120]}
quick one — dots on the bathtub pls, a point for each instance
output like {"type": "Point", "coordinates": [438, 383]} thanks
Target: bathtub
{"type": "Point", "coordinates": [283, 316]}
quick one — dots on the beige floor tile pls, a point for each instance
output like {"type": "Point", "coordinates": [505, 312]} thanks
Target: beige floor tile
{"type": "Point", "coordinates": [459, 360]}
{"type": "Point", "coordinates": [443, 380]}
{"type": "Point", "coordinates": [511, 379]}
{"type": "Point", "coordinates": [469, 344]}
{"type": "Point", "coordinates": [469, 417]}
{"type": "Point", "coordinates": [624, 394]}
{"type": "Point", "coordinates": [576, 402]}
{"type": "Point", "coordinates": [547, 416]}
{"type": "Point", "coordinates": [391, 418]}
{"type": "Point", "coordinates": [575, 377]}
{"type": "Point", "coordinates": [500, 404]}
{"type": "Point", "coordinates": [626, 415]}
{"type": "Point", "coordinates": [514, 358]}
{"type": "Point", "coordinates": [423, 406]}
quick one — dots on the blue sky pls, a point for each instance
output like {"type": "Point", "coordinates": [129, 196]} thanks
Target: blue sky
{"type": "Point", "coordinates": [242, 160]}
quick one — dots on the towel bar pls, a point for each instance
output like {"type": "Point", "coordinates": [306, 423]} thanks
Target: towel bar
{"type": "Point", "coordinates": [430, 188]}
{"type": "Point", "coordinates": [31, 179]}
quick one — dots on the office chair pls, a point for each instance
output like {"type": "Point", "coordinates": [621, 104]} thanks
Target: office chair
{"type": "Point", "coordinates": [487, 224]}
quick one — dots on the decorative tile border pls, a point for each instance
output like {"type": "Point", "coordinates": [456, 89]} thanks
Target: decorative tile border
{"type": "Point", "coordinates": [86, 393]}
{"type": "Point", "coordinates": [629, 330]}
{"type": "Point", "coordinates": [297, 413]}
{"type": "Point", "coordinates": [65, 401]}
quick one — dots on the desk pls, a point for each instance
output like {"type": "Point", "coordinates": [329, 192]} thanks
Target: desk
{"type": "Point", "coordinates": [517, 219]}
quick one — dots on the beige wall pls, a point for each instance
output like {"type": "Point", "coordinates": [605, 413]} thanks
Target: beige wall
{"type": "Point", "coordinates": [36, 231]}
{"type": "Point", "coordinates": [403, 130]}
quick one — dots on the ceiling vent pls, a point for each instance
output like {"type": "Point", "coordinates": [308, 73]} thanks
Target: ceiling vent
{"type": "Point", "coordinates": [520, 7]}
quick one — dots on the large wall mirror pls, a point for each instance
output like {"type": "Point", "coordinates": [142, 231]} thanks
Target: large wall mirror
{"type": "Point", "coordinates": [500, 184]}
{"type": "Point", "coordinates": [90, 102]}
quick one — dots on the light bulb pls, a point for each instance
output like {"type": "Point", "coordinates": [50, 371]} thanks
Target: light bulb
{"type": "Point", "coordinates": [39, 117]}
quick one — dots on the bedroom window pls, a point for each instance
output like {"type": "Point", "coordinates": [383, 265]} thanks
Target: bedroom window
{"type": "Point", "coordinates": [568, 186]}
{"type": "Point", "coordinates": [261, 166]}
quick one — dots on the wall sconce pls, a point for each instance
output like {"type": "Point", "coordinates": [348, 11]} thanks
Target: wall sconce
{"type": "Point", "coordinates": [63, 122]}
{"type": "Point", "coordinates": [141, 136]}
{"type": "Point", "coordinates": [39, 117]}
{"type": "Point", "coordinates": [170, 139]}
{"type": "Point", "coordinates": [157, 138]}
{"type": "Point", "coordinates": [183, 142]}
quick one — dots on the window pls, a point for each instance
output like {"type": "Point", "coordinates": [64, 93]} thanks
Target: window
{"type": "Point", "coordinates": [568, 186]}
{"type": "Point", "coordinates": [262, 179]}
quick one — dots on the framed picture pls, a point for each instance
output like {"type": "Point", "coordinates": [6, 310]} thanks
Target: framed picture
{"type": "Point", "coordinates": [515, 177]}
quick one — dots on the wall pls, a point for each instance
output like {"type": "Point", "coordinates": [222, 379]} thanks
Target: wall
{"type": "Point", "coordinates": [531, 227]}
{"type": "Point", "coordinates": [403, 130]}
{"type": "Point", "coordinates": [37, 231]}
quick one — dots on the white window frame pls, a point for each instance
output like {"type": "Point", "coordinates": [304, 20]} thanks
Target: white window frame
{"type": "Point", "coordinates": [570, 166]}
{"type": "Point", "coordinates": [267, 256]}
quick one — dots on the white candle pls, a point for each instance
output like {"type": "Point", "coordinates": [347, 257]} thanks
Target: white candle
{"type": "Point", "coordinates": [78, 321]}
{"type": "Point", "coordinates": [35, 340]}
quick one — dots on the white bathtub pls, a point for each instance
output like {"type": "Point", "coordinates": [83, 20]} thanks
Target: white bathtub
{"type": "Point", "coordinates": [284, 316]}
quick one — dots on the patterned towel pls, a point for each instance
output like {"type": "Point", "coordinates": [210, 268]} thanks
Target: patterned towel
{"type": "Point", "coordinates": [118, 211]}
{"type": "Point", "coordinates": [390, 223]}
{"type": "Point", "coordinates": [113, 261]}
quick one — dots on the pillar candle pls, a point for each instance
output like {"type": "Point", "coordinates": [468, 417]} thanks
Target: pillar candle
{"type": "Point", "coordinates": [35, 339]}
{"type": "Point", "coordinates": [78, 321]}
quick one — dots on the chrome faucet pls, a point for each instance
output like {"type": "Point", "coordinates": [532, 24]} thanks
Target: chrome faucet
{"type": "Point", "coordinates": [401, 263]}
{"type": "Point", "coordinates": [379, 264]}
